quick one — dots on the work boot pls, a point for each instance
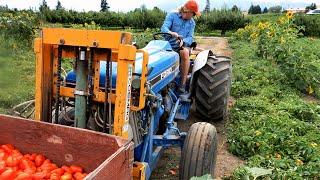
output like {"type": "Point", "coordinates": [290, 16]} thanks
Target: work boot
{"type": "Point", "coordinates": [183, 94]}
{"type": "Point", "coordinates": [182, 89]}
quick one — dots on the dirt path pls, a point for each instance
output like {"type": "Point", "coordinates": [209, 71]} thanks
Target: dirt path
{"type": "Point", "coordinates": [168, 167]}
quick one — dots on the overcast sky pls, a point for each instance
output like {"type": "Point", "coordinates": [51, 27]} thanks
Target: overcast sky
{"type": "Point", "coordinates": [168, 5]}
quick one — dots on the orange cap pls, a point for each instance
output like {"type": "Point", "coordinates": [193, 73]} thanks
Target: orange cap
{"type": "Point", "coordinates": [193, 6]}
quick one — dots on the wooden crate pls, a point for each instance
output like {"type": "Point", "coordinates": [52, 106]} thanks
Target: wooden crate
{"type": "Point", "coordinates": [103, 156]}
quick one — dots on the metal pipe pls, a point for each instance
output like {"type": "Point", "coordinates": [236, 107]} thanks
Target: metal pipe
{"type": "Point", "coordinates": [170, 124]}
{"type": "Point", "coordinates": [106, 90]}
{"type": "Point", "coordinates": [58, 83]}
{"type": "Point", "coordinates": [80, 91]}
{"type": "Point", "coordinates": [109, 99]}
{"type": "Point", "coordinates": [90, 81]}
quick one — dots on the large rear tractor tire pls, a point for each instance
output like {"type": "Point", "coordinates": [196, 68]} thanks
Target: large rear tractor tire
{"type": "Point", "coordinates": [199, 152]}
{"type": "Point", "coordinates": [213, 88]}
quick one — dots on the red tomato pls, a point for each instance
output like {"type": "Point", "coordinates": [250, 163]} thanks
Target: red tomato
{"type": "Point", "coordinates": [54, 176]}
{"type": "Point", "coordinates": [3, 155]}
{"type": "Point", "coordinates": [75, 169]}
{"type": "Point", "coordinates": [30, 170]}
{"type": "Point", "coordinates": [7, 148]}
{"type": "Point", "coordinates": [66, 176]}
{"type": "Point", "coordinates": [12, 161]}
{"type": "Point", "coordinates": [23, 176]}
{"type": "Point", "coordinates": [66, 169]}
{"type": "Point", "coordinates": [8, 174]}
{"type": "Point", "coordinates": [27, 156]}
{"type": "Point", "coordinates": [24, 163]}
{"type": "Point", "coordinates": [58, 171]}
{"type": "Point", "coordinates": [39, 159]}
{"type": "Point", "coordinates": [38, 176]}
{"type": "Point", "coordinates": [33, 156]}
{"type": "Point", "coordinates": [79, 176]}
{"type": "Point", "coordinates": [2, 166]}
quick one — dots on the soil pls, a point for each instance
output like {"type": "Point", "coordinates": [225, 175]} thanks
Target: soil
{"type": "Point", "coordinates": [168, 166]}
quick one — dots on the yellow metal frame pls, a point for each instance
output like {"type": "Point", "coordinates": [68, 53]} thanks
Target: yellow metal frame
{"type": "Point", "coordinates": [122, 52]}
{"type": "Point", "coordinates": [139, 171]}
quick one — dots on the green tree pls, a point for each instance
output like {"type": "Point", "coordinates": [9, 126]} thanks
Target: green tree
{"type": "Point", "coordinates": [207, 8]}
{"type": "Point", "coordinates": [234, 8]}
{"type": "Point", "coordinates": [254, 9]}
{"type": "Point", "coordinates": [257, 10]}
{"type": "Point", "coordinates": [265, 10]}
{"type": "Point", "coordinates": [275, 9]}
{"type": "Point", "coordinates": [59, 6]}
{"type": "Point", "coordinates": [44, 6]}
{"type": "Point", "coordinates": [4, 8]}
{"type": "Point", "coordinates": [311, 7]}
{"type": "Point", "coordinates": [250, 9]}
{"type": "Point", "coordinates": [224, 20]}
{"type": "Point", "coordinates": [104, 6]}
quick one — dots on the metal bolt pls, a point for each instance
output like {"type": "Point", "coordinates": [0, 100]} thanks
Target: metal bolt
{"type": "Point", "coordinates": [62, 41]}
{"type": "Point", "coordinates": [95, 44]}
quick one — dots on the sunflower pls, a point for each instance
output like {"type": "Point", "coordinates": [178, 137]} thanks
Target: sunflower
{"type": "Point", "coordinates": [289, 15]}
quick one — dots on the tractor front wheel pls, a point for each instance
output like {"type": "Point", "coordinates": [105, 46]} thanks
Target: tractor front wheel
{"type": "Point", "coordinates": [199, 152]}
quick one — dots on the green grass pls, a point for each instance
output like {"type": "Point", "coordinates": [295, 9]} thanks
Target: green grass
{"type": "Point", "coordinates": [17, 68]}
{"type": "Point", "coordinates": [216, 33]}
{"type": "Point", "coordinates": [271, 124]}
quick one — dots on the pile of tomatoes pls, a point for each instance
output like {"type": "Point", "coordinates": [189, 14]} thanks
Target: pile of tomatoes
{"type": "Point", "coordinates": [16, 166]}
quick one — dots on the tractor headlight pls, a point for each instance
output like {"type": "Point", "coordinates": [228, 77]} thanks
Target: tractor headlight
{"type": "Point", "coordinates": [136, 83]}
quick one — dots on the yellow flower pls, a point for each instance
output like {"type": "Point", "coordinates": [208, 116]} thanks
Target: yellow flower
{"type": "Point", "coordinates": [277, 156]}
{"type": "Point", "coordinates": [267, 24]}
{"type": "Point", "coordinates": [270, 33]}
{"type": "Point", "coordinates": [258, 133]}
{"type": "Point", "coordinates": [299, 162]}
{"type": "Point", "coordinates": [289, 15]}
{"type": "Point", "coordinates": [261, 25]}
{"type": "Point", "coordinates": [282, 40]}
{"type": "Point", "coordinates": [282, 20]}
{"type": "Point", "coordinates": [310, 90]}
{"type": "Point", "coordinates": [314, 144]}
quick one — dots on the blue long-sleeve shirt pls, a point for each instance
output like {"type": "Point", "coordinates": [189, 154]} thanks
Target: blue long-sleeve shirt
{"type": "Point", "coordinates": [175, 23]}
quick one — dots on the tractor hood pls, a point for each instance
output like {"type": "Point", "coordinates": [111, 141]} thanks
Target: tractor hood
{"type": "Point", "coordinates": [163, 66]}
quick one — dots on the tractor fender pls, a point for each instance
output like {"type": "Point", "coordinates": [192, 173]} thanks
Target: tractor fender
{"type": "Point", "coordinates": [199, 62]}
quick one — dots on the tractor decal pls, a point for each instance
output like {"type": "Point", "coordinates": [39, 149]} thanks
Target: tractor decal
{"type": "Point", "coordinates": [126, 125]}
{"type": "Point", "coordinates": [173, 69]}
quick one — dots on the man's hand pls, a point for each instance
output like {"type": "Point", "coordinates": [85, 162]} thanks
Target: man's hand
{"type": "Point", "coordinates": [174, 34]}
{"type": "Point", "coordinates": [178, 37]}
{"type": "Point", "coordinates": [180, 41]}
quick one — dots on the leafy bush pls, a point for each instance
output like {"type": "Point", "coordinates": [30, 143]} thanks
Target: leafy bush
{"type": "Point", "coordinates": [141, 18]}
{"type": "Point", "coordinates": [19, 25]}
{"type": "Point", "coordinates": [311, 24]}
{"type": "Point", "coordinates": [280, 41]}
{"type": "Point", "coordinates": [273, 128]}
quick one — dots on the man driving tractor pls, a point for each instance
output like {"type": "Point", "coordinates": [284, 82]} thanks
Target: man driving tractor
{"type": "Point", "coordinates": [180, 24]}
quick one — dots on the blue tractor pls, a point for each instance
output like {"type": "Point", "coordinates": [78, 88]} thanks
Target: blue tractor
{"type": "Point", "coordinates": [152, 127]}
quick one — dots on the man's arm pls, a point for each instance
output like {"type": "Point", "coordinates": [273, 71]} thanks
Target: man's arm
{"type": "Point", "coordinates": [167, 24]}
{"type": "Point", "coordinates": [189, 38]}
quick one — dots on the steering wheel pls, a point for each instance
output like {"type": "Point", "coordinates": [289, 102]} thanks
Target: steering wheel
{"type": "Point", "coordinates": [165, 37]}
{"type": "Point", "coordinates": [162, 36]}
